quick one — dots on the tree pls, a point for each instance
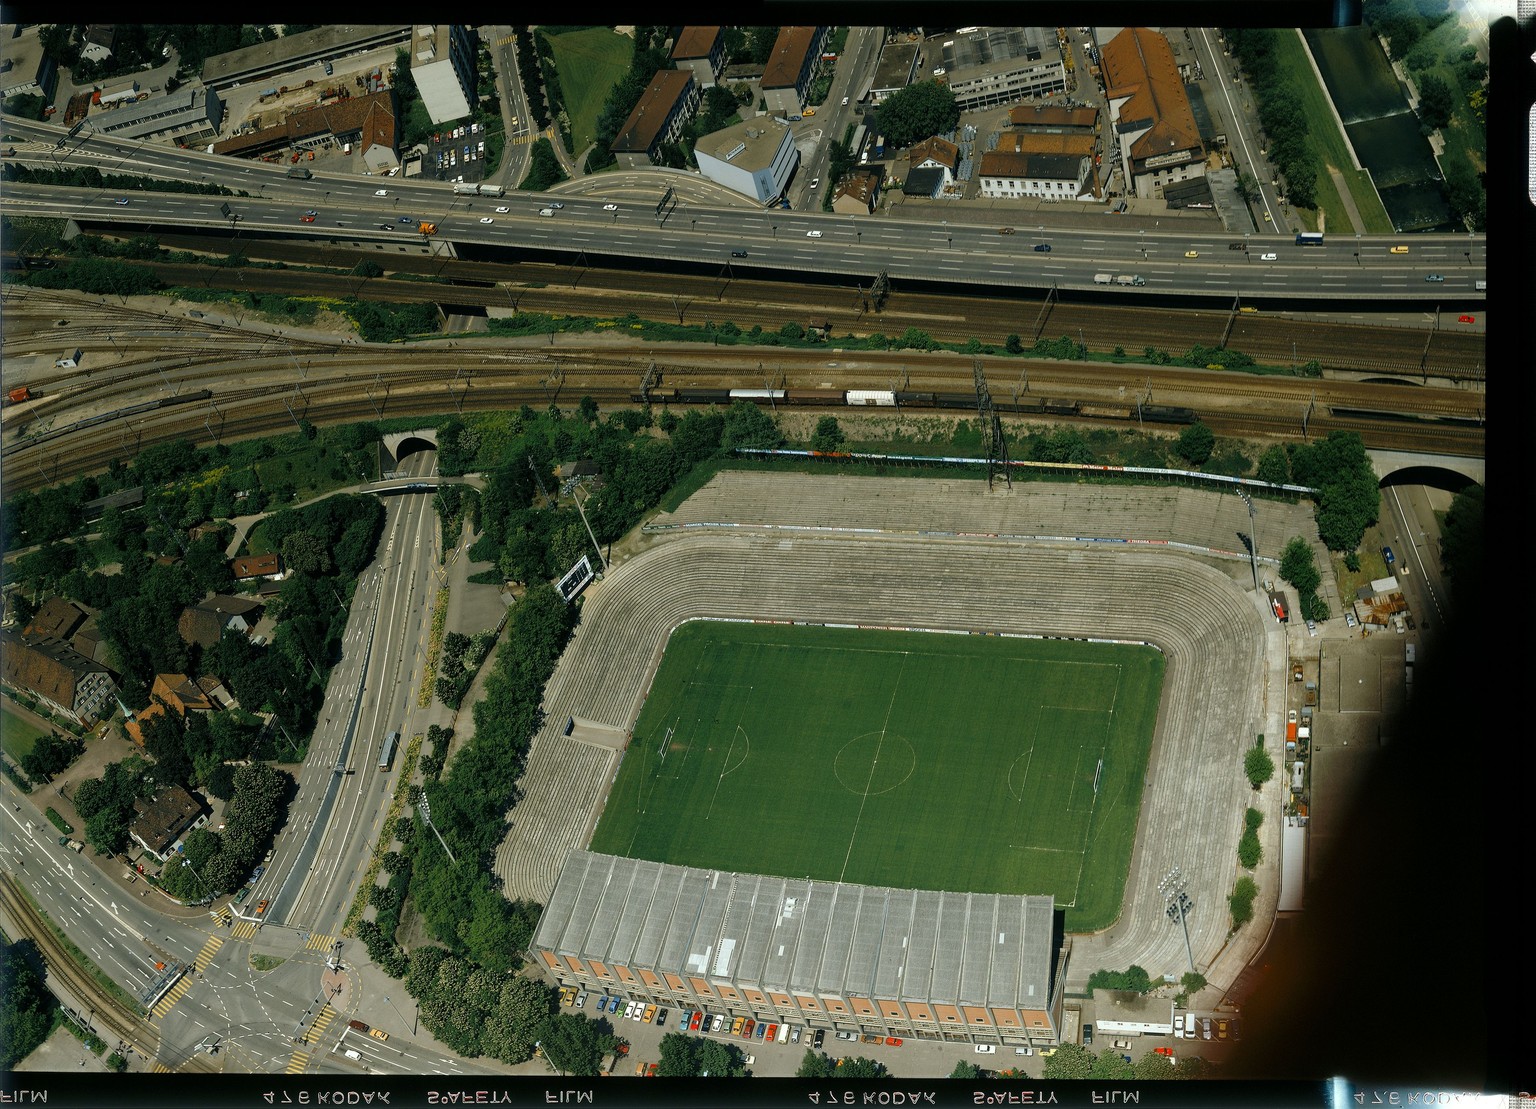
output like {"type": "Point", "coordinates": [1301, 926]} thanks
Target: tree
{"type": "Point", "coordinates": [679, 1056]}
{"type": "Point", "coordinates": [718, 1060]}
{"type": "Point", "coordinates": [1109, 1064]}
{"type": "Point", "coordinates": [828, 435]}
{"type": "Point", "coordinates": [1195, 444]}
{"type": "Point", "coordinates": [1258, 767]}
{"type": "Point", "coordinates": [1298, 566]}
{"type": "Point", "coordinates": [26, 1006]}
{"type": "Point", "coordinates": [860, 1067]}
{"type": "Point", "coordinates": [1152, 1067]}
{"type": "Point", "coordinates": [919, 111]}
{"type": "Point", "coordinates": [1434, 101]}
{"type": "Point", "coordinates": [965, 1070]}
{"type": "Point", "coordinates": [306, 552]}
{"type": "Point", "coordinates": [1461, 540]}
{"type": "Point", "coordinates": [816, 1064]}
{"type": "Point", "coordinates": [1274, 466]}
{"type": "Point", "coordinates": [1241, 901]}
{"type": "Point", "coordinates": [747, 425]}
{"type": "Point", "coordinates": [1070, 1061]}
{"type": "Point", "coordinates": [575, 1043]}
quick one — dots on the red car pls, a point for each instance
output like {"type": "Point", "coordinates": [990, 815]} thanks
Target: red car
{"type": "Point", "coordinates": [693, 1021]}
{"type": "Point", "coordinates": [1466, 319]}
{"type": "Point", "coordinates": [1163, 1050]}
{"type": "Point", "coordinates": [746, 1031]}
{"type": "Point", "coordinates": [772, 1033]}
{"type": "Point", "coordinates": [893, 1041]}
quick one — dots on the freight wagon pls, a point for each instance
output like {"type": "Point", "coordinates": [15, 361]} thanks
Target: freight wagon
{"type": "Point", "coordinates": [884, 398]}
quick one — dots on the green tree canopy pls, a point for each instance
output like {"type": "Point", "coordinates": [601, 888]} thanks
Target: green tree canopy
{"type": "Point", "coordinates": [1258, 767]}
{"type": "Point", "coordinates": [1195, 444]}
{"type": "Point", "coordinates": [919, 111]}
{"type": "Point", "coordinates": [1070, 1061]}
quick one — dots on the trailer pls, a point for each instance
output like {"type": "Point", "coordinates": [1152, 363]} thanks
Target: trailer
{"type": "Point", "coordinates": [466, 190]}
{"type": "Point", "coordinates": [1103, 278]}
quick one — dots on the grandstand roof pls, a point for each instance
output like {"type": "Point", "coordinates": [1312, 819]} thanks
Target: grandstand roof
{"type": "Point", "coordinates": [757, 932]}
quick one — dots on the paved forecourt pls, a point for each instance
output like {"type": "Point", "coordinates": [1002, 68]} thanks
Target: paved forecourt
{"type": "Point", "coordinates": [1213, 635]}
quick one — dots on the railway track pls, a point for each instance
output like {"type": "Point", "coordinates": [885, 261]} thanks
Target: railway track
{"type": "Point", "coordinates": [113, 1021]}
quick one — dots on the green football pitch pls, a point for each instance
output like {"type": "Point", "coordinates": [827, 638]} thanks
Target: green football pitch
{"type": "Point", "coordinates": [911, 759]}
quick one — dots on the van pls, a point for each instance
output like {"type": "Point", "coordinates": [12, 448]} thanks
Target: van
{"type": "Point", "coordinates": [546, 211]}
{"type": "Point", "coordinates": [346, 148]}
{"type": "Point", "coordinates": [1480, 286]}
{"type": "Point", "coordinates": [350, 1054]}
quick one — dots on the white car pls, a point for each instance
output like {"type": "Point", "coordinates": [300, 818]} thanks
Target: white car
{"type": "Point", "coordinates": [813, 234]}
{"type": "Point", "coordinates": [380, 192]}
{"type": "Point", "coordinates": [629, 1010]}
{"type": "Point", "coordinates": [719, 1021]}
{"type": "Point", "coordinates": [986, 1049]}
{"type": "Point", "coordinates": [815, 181]}
{"type": "Point", "coordinates": [1268, 257]}
{"type": "Point", "coordinates": [503, 210]}
{"type": "Point", "coordinates": [486, 219]}
{"type": "Point", "coordinates": [556, 204]}
{"type": "Point", "coordinates": [845, 102]}
{"type": "Point", "coordinates": [610, 207]}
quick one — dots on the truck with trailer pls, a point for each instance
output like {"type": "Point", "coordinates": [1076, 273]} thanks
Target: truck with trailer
{"type": "Point", "coordinates": [473, 188]}
{"type": "Point", "coordinates": [1129, 279]}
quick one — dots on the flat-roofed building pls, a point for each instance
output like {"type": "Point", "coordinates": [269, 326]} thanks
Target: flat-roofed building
{"type": "Point", "coordinates": [793, 65]}
{"type": "Point", "coordinates": [1140, 1014]}
{"type": "Point", "coordinates": [190, 114]}
{"type": "Point", "coordinates": [368, 121]}
{"type": "Point", "coordinates": [700, 50]}
{"type": "Point", "coordinates": [658, 117]}
{"type": "Point", "coordinates": [987, 66]}
{"type": "Point", "coordinates": [443, 67]}
{"type": "Point", "coordinates": [963, 967]}
{"type": "Point", "coordinates": [755, 158]}
{"type": "Point", "coordinates": [897, 68]}
{"type": "Point", "coordinates": [1153, 128]}
{"type": "Point", "coordinates": [267, 61]}
{"type": "Point", "coordinates": [24, 68]}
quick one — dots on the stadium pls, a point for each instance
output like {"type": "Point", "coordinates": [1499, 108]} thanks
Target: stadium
{"type": "Point", "coordinates": [780, 931]}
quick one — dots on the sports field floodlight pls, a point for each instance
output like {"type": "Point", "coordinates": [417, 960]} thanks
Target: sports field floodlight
{"type": "Point", "coordinates": [1178, 906]}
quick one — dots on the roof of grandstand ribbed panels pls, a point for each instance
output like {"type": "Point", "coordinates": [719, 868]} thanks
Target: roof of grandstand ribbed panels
{"type": "Point", "coordinates": [800, 935]}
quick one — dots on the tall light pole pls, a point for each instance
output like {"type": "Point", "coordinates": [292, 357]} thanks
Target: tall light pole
{"type": "Point", "coordinates": [1178, 906]}
{"type": "Point", "coordinates": [1253, 535]}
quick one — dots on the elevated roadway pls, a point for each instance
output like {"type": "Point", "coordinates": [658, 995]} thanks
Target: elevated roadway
{"type": "Point", "coordinates": [1197, 261]}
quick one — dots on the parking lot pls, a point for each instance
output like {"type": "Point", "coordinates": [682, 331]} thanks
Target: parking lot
{"type": "Point", "coordinates": [456, 154]}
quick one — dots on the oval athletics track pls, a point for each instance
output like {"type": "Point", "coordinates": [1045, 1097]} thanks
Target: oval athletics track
{"type": "Point", "coordinates": [1213, 635]}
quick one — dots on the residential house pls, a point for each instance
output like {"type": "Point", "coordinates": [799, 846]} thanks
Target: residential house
{"type": "Point", "coordinates": [701, 50]}
{"type": "Point", "coordinates": [792, 66]}
{"type": "Point", "coordinates": [935, 153]}
{"type": "Point", "coordinates": [163, 822]}
{"type": "Point", "coordinates": [204, 622]}
{"type": "Point", "coordinates": [858, 194]}
{"type": "Point", "coordinates": [659, 116]}
{"type": "Point", "coordinates": [60, 677]}
{"type": "Point", "coordinates": [182, 695]}
{"type": "Point", "coordinates": [248, 567]}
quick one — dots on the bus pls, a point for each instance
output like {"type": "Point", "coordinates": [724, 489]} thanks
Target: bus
{"type": "Point", "coordinates": [1309, 238]}
{"type": "Point", "coordinates": [387, 754]}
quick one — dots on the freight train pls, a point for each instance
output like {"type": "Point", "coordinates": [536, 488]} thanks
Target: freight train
{"type": "Point", "coordinates": [887, 398]}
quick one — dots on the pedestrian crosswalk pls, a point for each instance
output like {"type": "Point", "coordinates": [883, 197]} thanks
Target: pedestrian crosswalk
{"type": "Point", "coordinates": [205, 956]}
{"type": "Point", "coordinates": [322, 1021]}
{"type": "Point", "coordinates": [508, 41]}
{"type": "Point", "coordinates": [159, 1068]}
{"type": "Point", "coordinates": [318, 943]}
{"type": "Point", "coordinates": [297, 1062]}
{"type": "Point", "coordinates": [168, 1002]}
{"type": "Point", "coordinates": [243, 931]}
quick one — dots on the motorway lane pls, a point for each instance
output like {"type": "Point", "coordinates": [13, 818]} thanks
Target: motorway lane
{"type": "Point", "coordinates": [336, 818]}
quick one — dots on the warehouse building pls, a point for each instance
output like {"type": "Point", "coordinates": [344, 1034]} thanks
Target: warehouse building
{"type": "Point", "coordinates": [871, 960]}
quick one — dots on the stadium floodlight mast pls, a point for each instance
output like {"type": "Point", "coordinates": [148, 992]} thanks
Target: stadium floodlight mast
{"type": "Point", "coordinates": [426, 816]}
{"type": "Point", "coordinates": [1253, 535]}
{"type": "Point", "coordinates": [1177, 906]}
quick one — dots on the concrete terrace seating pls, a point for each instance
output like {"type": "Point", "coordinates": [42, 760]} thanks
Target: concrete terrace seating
{"type": "Point", "coordinates": [1213, 634]}
{"type": "Point", "coordinates": [1159, 513]}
